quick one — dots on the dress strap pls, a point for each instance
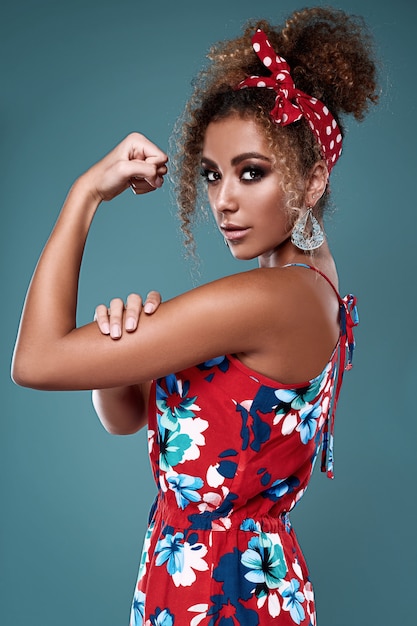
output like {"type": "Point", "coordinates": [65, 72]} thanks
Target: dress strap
{"type": "Point", "coordinates": [315, 269]}
{"type": "Point", "coordinates": [348, 319]}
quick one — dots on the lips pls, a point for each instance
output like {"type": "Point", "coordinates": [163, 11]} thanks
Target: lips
{"type": "Point", "coordinates": [233, 232]}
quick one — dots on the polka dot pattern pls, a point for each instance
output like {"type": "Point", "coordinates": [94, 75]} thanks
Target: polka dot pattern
{"type": "Point", "coordinates": [291, 104]}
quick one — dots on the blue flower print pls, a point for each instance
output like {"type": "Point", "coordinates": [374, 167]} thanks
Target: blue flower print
{"type": "Point", "coordinates": [293, 600]}
{"type": "Point", "coordinates": [204, 520]}
{"type": "Point", "coordinates": [183, 556]}
{"type": "Point", "coordinates": [173, 404]}
{"type": "Point", "coordinates": [250, 524]}
{"type": "Point", "coordinates": [138, 609]}
{"type": "Point", "coordinates": [184, 487]}
{"type": "Point", "coordinates": [162, 618]}
{"type": "Point", "coordinates": [255, 431]}
{"type": "Point", "coordinates": [222, 362]}
{"type": "Point", "coordinates": [170, 550]}
{"type": "Point", "coordinates": [266, 562]}
{"type": "Point", "coordinates": [308, 425]}
{"type": "Point", "coordinates": [297, 398]}
{"type": "Point", "coordinates": [226, 608]}
{"type": "Point", "coordinates": [172, 447]}
{"type": "Point", "coordinates": [280, 487]}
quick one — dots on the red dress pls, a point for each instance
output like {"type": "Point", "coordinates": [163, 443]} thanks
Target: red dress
{"type": "Point", "coordinates": [232, 452]}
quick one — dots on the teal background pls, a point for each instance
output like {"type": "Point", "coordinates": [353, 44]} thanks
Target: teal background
{"type": "Point", "coordinates": [76, 76]}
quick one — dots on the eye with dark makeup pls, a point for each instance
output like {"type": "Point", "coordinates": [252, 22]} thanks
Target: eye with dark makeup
{"type": "Point", "coordinates": [252, 173]}
{"type": "Point", "coordinates": [210, 176]}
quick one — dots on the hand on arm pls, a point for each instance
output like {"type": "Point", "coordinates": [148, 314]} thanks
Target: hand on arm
{"type": "Point", "coordinates": [117, 317]}
{"type": "Point", "coordinates": [123, 410]}
{"type": "Point", "coordinates": [236, 314]}
{"type": "Point", "coordinates": [240, 314]}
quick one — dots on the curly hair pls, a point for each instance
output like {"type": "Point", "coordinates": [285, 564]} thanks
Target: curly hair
{"type": "Point", "coordinates": [330, 54]}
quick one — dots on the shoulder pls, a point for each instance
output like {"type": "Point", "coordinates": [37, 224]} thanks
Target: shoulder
{"type": "Point", "coordinates": [262, 282]}
{"type": "Point", "coordinates": [289, 286]}
{"type": "Point", "coordinates": [254, 290]}
{"type": "Point", "coordinates": [280, 297]}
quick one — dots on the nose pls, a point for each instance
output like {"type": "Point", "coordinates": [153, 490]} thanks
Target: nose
{"type": "Point", "coordinates": [224, 198]}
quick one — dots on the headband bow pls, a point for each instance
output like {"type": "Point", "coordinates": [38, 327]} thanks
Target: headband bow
{"type": "Point", "coordinates": [291, 104]}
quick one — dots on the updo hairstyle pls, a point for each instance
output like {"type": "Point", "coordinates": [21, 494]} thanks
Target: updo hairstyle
{"type": "Point", "coordinates": [331, 58]}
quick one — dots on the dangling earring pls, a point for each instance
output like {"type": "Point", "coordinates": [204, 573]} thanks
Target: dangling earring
{"type": "Point", "coordinates": [307, 238]}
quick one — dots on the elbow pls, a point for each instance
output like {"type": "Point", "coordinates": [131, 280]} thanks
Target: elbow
{"type": "Point", "coordinates": [23, 374]}
{"type": "Point", "coordinates": [112, 429]}
{"type": "Point", "coordinates": [19, 373]}
{"type": "Point", "coordinates": [29, 372]}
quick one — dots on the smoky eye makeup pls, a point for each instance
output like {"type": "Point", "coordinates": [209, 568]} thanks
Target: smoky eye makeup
{"type": "Point", "coordinates": [249, 167]}
{"type": "Point", "coordinates": [251, 173]}
{"type": "Point", "coordinates": [209, 175]}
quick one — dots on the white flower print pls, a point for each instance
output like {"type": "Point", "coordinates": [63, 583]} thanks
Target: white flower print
{"type": "Point", "coordinates": [193, 427]}
{"type": "Point", "coordinates": [289, 422]}
{"type": "Point", "coordinates": [309, 596]}
{"type": "Point", "coordinates": [151, 439]}
{"type": "Point", "coordinates": [274, 606]}
{"type": "Point", "coordinates": [193, 560]}
{"type": "Point", "coordinates": [297, 569]}
{"type": "Point", "coordinates": [213, 477]}
{"type": "Point", "coordinates": [201, 609]}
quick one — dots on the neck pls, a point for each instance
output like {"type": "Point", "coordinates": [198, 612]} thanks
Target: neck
{"type": "Point", "coordinates": [287, 253]}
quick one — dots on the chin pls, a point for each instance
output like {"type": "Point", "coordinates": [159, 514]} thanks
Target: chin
{"type": "Point", "coordinates": [241, 255]}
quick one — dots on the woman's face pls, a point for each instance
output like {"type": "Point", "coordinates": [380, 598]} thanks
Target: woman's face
{"type": "Point", "coordinates": [244, 188]}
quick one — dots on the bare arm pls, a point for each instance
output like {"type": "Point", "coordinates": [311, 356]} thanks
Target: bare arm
{"type": "Point", "coordinates": [51, 353]}
{"type": "Point", "coordinates": [123, 410]}
{"type": "Point", "coordinates": [240, 314]}
{"type": "Point", "coordinates": [136, 161]}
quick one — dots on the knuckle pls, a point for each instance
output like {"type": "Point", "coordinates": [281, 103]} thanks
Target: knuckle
{"type": "Point", "coordinates": [116, 303]}
{"type": "Point", "coordinates": [155, 296]}
{"type": "Point", "coordinates": [102, 317]}
{"type": "Point", "coordinates": [133, 300]}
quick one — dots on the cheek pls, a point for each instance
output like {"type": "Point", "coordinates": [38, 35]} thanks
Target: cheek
{"type": "Point", "coordinates": [276, 221]}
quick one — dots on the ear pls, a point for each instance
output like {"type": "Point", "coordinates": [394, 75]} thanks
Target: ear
{"type": "Point", "coordinates": [316, 183]}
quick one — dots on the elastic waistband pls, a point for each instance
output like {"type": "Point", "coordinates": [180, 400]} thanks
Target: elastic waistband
{"type": "Point", "coordinates": [267, 524]}
{"type": "Point", "coordinates": [211, 521]}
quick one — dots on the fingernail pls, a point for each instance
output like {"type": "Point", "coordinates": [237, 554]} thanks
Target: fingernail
{"type": "Point", "coordinates": [116, 331]}
{"type": "Point", "coordinates": [149, 307]}
{"type": "Point", "coordinates": [130, 323]}
{"type": "Point", "coordinates": [105, 328]}
{"type": "Point", "coordinates": [158, 181]}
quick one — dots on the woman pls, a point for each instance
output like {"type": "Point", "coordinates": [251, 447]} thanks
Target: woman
{"type": "Point", "coordinates": [234, 433]}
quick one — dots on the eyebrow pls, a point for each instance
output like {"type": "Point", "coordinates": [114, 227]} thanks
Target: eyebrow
{"type": "Point", "coordinates": [238, 159]}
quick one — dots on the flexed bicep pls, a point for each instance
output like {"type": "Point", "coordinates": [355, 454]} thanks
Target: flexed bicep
{"type": "Point", "coordinates": [217, 318]}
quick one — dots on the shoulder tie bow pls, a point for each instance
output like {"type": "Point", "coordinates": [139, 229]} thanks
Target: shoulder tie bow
{"type": "Point", "coordinates": [348, 320]}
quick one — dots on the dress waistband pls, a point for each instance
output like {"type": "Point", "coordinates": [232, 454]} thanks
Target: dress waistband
{"type": "Point", "coordinates": [213, 520]}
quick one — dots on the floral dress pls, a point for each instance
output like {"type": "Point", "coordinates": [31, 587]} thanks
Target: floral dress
{"type": "Point", "coordinates": [232, 452]}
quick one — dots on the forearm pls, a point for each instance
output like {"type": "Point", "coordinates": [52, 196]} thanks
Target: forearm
{"type": "Point", "coordinates": [122, 410]}
{"type": "Point", "coordinates": [50, 308]}
{"type": "Point", "coordinates": [49, 316]}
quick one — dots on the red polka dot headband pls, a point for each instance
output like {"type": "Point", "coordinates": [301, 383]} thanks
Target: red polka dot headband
{"type": "Point", "coordinates": [291, 104]}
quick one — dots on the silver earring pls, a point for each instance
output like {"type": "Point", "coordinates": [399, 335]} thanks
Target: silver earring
{"type": "Point", "coordinates": [309, 238]}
